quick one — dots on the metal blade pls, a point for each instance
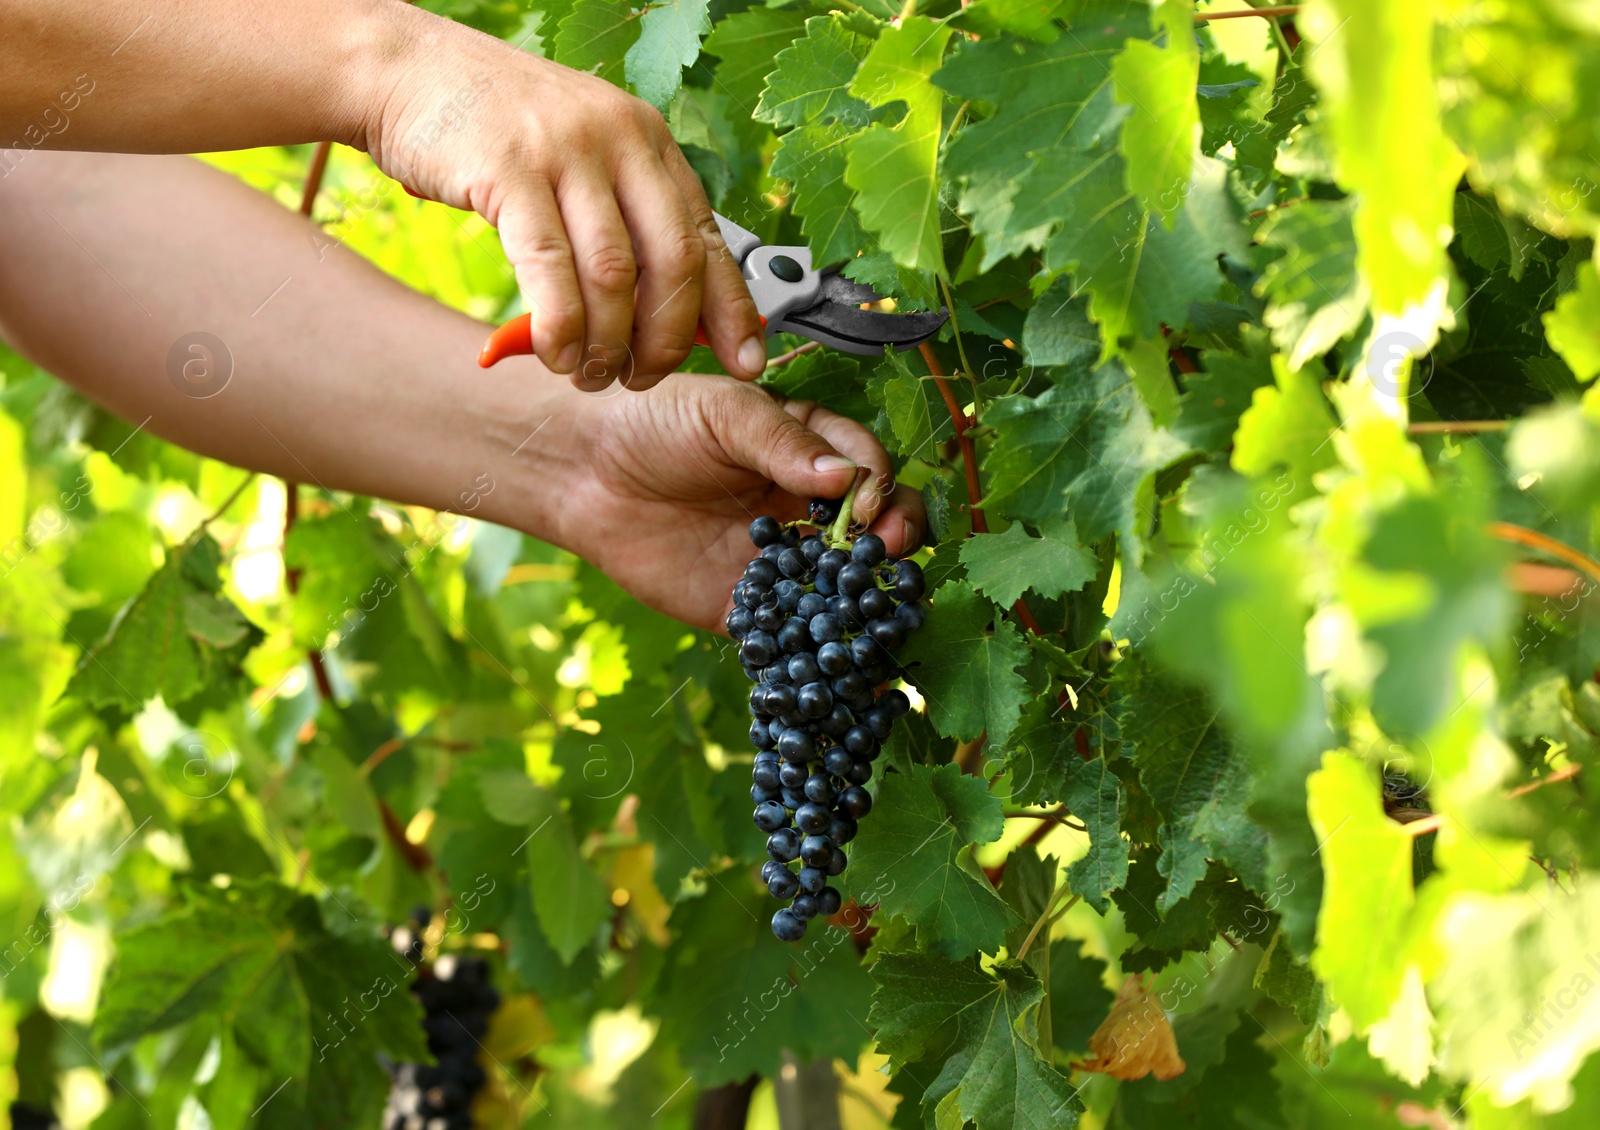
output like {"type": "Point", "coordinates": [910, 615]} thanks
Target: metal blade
{"type": "Point", "coordinates": [847, 327]}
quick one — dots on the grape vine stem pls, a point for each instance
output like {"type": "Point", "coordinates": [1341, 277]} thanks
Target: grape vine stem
{"type": "Point", "coordinates": [969, 462]}
{"type": "Point", "coordinates": [291, 489]}
{"type": "Point", "coordinates": [1241, 13]}
{"type": "Point", "coordinates": [1533, 539]}
{"type": "Point", "coordinates": [1046, 918]}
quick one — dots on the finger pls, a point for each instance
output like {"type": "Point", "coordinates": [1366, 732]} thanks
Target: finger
{"type": "Point", "coordinates": [902, 522]}
{"type": "Point", "coordinates": [672, 258]}
{"type": "Point", "coordinates": [602, 251]}
{"type": "Point", "coordinates": [727, 311]}
{"type": "Point", "coordinates": [756, 433]}
{"type": "Point", "coordinates": [535, 239]}
{"type": "Point", "coordinates": [858, 445]}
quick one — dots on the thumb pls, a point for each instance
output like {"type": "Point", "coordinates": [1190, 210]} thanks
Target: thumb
{"type": "Point", "coordinates": [764, 438]}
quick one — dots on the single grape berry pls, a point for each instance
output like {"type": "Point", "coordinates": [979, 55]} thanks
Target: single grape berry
{"type": "Point", "coordinates": [740, 622]}
{"type": "Point", "coordinates": [803, 669]}
{"type": "Point", "coordinates": [836, 863]}
{"type": "Point", "coordinates": [829, 900]}
{"type": "Point", "coordinates": [783, 885]}
{"type": "Point", "coordinates": [765, 531]}
{"type": "Point", "coordinates": [758, 648]}
{"type": "Point", "coordinates": [822, 511]}
{"type": "Point", "coordinates": [779, 699]}
{"type": "Point", "coordinates": [855, 802]}
{"type": "Point", "coordinates": [813, 548]}
{"type": "Point", "coordinates": [868, 549]}
{"type": "Point", "coordinates": [811, 818]}
{"type": "Point", "coordinates": [770, 816]}
{"type": "Point", "coordinates": [838, 720]}
{"type": "Point", "coordinates": [834, 658]}
{"type": "Point", "coordinates": [912, 616]}
{"type": "Point", "coordinates": [784, 844]}
{"type": "Point", "coordinates": [766, 776]}
{"type": "Point", "coordinates": [804, 907]}
{"type": "Point", "coordinates": [837, 761]}
{"type": "Point", "coordinates": [811, 604]}
{"type": "Point", "coordinates": [890, 632]}
{"type": "Point", "coordinates": [795, 636]}
{"type": "Point", "coordinates": [787, 927]}
{"type": "Point", "coordinates": [760, 572]}
{"type": "Point", "coordinates": [841, 831]}
{"type": "Point", "coordinates": [855, 579]}
{"type": "Point", "coordinates": [860, 772]}
{"type": "Point", "coordinates": [825, 629]}
{"type": "Point", "coordinates": [792, 776]}
{"type": "Point", "coordinates": [814, 701]}
{"type": "Point", "coordinates": [759, 795]}
{"type": "Point", "coordinates": [788, 593]}
{"type": "Point", "coordinates": [796, 745]}
{"type": "Point", "coordinates": [768, 617]}
{"type": "Point", "coordinates": [816, 851]}
{"type": "Point", "coordinates": [879, 721]}
{"type": "Point", "coordinates": [812, 880]}
{"type": "Point", "coordinates": [793, 563]}
{"type": "Point", "coordinates": [770, 868]}
{"type": "Point", "coordinates": [829, 564]}
{"type": "Point", "coordinates": [875, 604]}
{"type": "Point", "coordinates": [819, 790]}
{"type": "Point", "coordinates": [895, 702]}
{"type": "Point", "coordinates": [908, 582]}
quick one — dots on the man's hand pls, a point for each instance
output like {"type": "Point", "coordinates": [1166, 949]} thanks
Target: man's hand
{"type": "Point", "coordinates": [613, 240]}
{"type": "Point", "coordinates": [660, 490]}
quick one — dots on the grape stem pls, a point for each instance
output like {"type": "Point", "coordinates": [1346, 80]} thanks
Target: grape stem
{"type": "Point", "coordinates": [837, 535]}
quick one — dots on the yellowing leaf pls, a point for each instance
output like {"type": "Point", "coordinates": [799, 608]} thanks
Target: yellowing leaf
{"type": "Point", "coordinates": [1136, 1039]}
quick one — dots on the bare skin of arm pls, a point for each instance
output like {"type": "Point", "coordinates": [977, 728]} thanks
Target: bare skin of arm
{"type": "Point", "coordinates": [346, 379]}
{"type": "Point", "coordinates": [612, 239]}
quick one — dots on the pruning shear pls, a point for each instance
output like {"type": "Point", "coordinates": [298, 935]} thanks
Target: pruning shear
{"type": "Point", "coordinates": [792, 297]}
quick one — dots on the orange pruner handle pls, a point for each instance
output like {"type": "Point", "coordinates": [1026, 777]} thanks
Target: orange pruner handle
{"type": "Point", "coordinates": [515, 339]}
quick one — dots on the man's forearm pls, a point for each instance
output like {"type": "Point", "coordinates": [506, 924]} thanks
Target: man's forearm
{"type": "Point", "coordinates": [187, 76]}
{"type": "Point", "coordinates": [336, 375]}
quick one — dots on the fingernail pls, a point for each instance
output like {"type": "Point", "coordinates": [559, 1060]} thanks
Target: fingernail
{"type": "Point", "coordinates": [753, 356]}
{"type": "Point", "coordinates": [827, 464]}
{"type": "Point", "coordinates": [908, 536]}
{"type": "Point", "coordinates": [567, 359]}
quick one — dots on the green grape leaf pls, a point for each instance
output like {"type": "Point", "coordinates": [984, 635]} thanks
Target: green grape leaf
{"type": "Point", "coordinates": [1190, 769]}
{"type": "Point", "coordinates": [1215, 398]}
{"type": "Point", "coordinates": [916, 413]}
{"type": "Point", "coordinates": [1439, 542]}
{"type": "Point", "coordinates": [813, 160]}
{"type": "Point", "coordinates": [1058, 330]}
{"type": "Point", "coordinates": [1162, 130]}
{"type": "Point", "coordinates": [1139, 274]}
{"type": "Point", "coordinates": [175, 639]}
{"type": "Point", "coordinates": [891, 168]}
{"type": "Point", "coordinates": [1079, 999]}
{"type": "Point", "coordinates": [1315, 297]}
{"type": "Point", "coordinates": [983, 1027]}
{"type": "Point", "coordinates": [669, 40]}
{"type": "Point", "coordinates": [1048, 95]}
{"type": "Point", "coordinates": [810, 79]}
{"type": "Point", "coordinates": [260, 958]}
{"type": "Point", "coordinates": [1572, 325]}
{"type": "Point", "coordinates": [1004, 566]}
{"type": "Point", "coordinates": [966, 670]}
{"type": "Point", "coordinates": [1288, 981]}
{"type": "Point", "coordinates": [1093, 794]}
{"type": "Point", "coordinates": [596, 37]}
{"type": "Point", "coordinates": [827, 377]}
{"type": "Point", "coordinates": [767, 995]}
{"type": "Point", "coordinates": [570, 899]}
{"type": "Point", "coordinates": [746, 43]}
{"type": "Point", "coordinates": [914, 857]}
{"type": "Point", "coordinates": [1367, 887]}
{"type": "Point", "coordinates": [1086, 449]}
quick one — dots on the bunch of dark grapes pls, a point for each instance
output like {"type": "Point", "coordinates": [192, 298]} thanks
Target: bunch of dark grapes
{"type": "Point", "coordinates": [457, 1001]}
{"type": "Point", "coordinates": [817, 627]}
